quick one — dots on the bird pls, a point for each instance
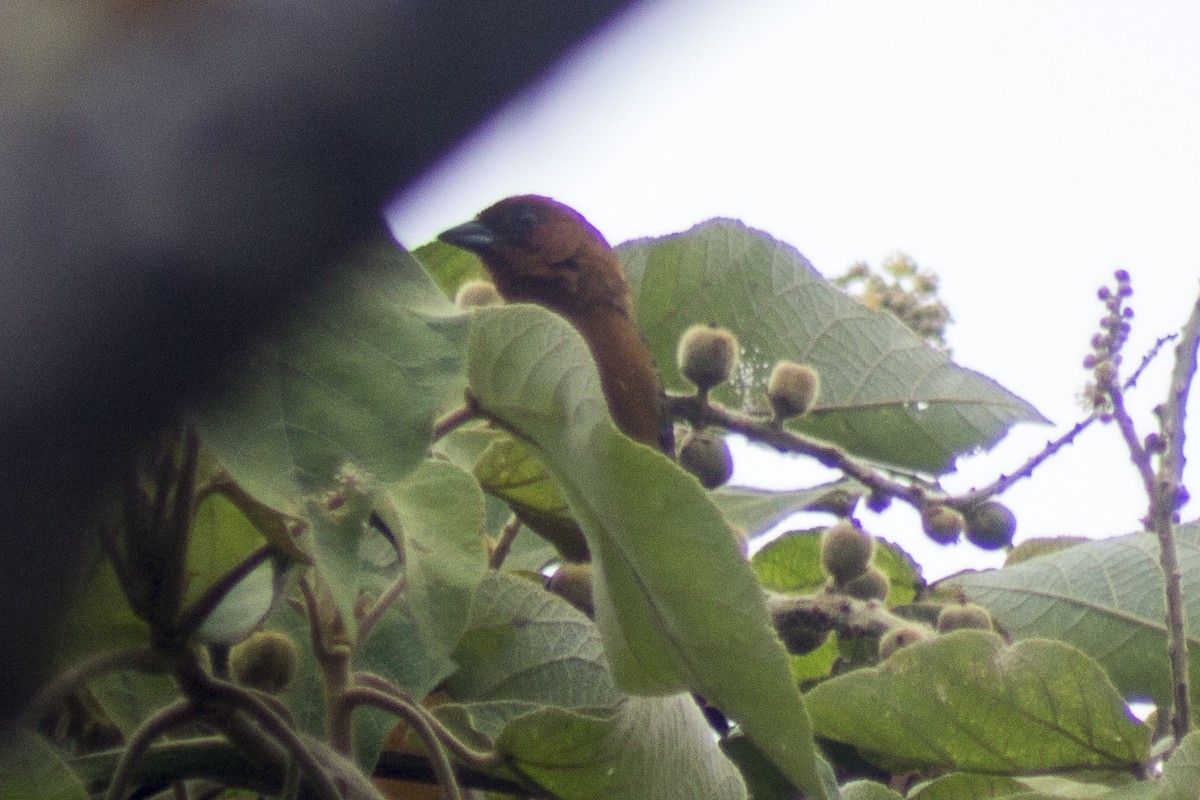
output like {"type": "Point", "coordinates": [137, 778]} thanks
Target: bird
{"type": "Point", "coordinates": [538, 250]}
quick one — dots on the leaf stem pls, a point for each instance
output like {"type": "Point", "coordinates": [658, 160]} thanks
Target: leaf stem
{"type": "Point", "coordinates": [504, 543]}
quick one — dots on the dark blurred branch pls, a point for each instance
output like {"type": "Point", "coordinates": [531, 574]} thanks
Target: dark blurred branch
{"type": "Point", "coordinates": [170, 187]}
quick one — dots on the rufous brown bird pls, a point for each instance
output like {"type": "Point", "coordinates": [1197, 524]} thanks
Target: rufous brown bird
{"type": "Point", "coordinates": [538, 250]}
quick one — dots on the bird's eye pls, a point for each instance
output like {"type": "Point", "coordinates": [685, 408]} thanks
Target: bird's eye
{"type": "Point", "coordinates": [527, 218]}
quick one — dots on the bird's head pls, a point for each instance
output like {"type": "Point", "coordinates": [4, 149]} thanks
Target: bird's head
{"type": "Point", "coordinates": [541, 251]}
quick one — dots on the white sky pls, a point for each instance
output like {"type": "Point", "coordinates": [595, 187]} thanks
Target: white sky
{"type": "Point", "coordinates": [1021, 150]}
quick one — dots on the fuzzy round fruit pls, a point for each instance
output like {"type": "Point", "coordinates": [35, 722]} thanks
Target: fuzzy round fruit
{"type": "Point", "coordinates": [707, 456]}
{"type": "Point", "coordinates": [792, 389]}
{"type": "Point", "coordinates": [871, 585]}
{"type": "Point", "coordinates": [573, 583]}
{"type": "Point", "coordinates": [707, 355]}
{"type": "Point", "coordinates": [477, 293]}
{"type": "Point", "coordinates": [990, 525]}
{"type": "Point", "coordinates": [967, 615]}
{"type": "Point", "coordinates": [942, 523]}
{"type": "Point", "coordinates": [897, 638]}
{"type": "Point", "coordinates": [265, 660]}
{"type": "Point", "coordinates": [846, 551]}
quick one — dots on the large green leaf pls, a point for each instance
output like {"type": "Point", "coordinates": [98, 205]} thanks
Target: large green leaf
{"type": "Point", "coordinates": [31, 769]}
{"type": "Point", "coordinates": [534, 682]}
{"type": "Point", "coordinates": [1107, 598]}
{"type": "Point", "coordinates": [676, 603]}
{"type": "Point", "coordinates": [357, 376]}
{"type": "Point", "coordinates": [885, 394]}
{"type": "Point", "coordinates": [966, 701]}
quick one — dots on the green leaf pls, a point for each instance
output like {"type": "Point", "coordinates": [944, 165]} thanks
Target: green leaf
{"type": "Point", "coordinates": [525, 644]}
{"type": "Point", "coordinates": [357, 376]}
{"type": "Point", "coordinates": [450, 266]}
{"type": "Point", "coordinates": [791, 564]}
{"type": "Point", "coordinates": [509, 470]}
{"type": "Point", "coordinates": [1181, 775]}
{"type": "Point", "coordinates": [676, 603]}
{"type": "Point", "coordinates": [243, 608]}
{"type": "Point", "coordinates": [868, 790]}
{"type": "Point", "coordinates": [581, 757]}
{"type": "Point", "coordinates": [31, 769]}
{"type": "Point", "coordinates": [1107, 598]}
{"type": "Point", "coordinates": [885, 394]}
{"type": "Point", "coordinates": [756, 510]}
{"type": "Point", "coordinates": [99, 617]}
{"type": "Point", "coordinates": [968, 786]}
{"type": "Point", "coordinates": [438, 513]}
{"type": "Point", "coordinates": [222, 536]}
{"type": "Point", "coordinates": [965, 701]}
{"type": "Point", "coordinates": [337, 539]}
{"type": "Point", "coordinates": [533, 680]}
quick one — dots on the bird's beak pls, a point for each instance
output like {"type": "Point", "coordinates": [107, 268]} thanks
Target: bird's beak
{"type": "Point", "coordinates": [473, 236]}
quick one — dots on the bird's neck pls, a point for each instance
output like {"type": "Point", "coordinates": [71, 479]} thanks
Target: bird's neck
{"type": "Point", "coordinates": [627, 374]}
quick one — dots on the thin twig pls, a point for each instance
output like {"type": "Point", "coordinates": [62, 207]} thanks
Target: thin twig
{"type": "Point", "coordinates": [169, 601]}
{"type": "Point", "coordinates": [1006, 480]}
{"type": "Point", "coordinates": [197, 612]}
{"type": "Point", "coordinates": [1166, 498]}
{"type": "Point", "coordinates": [762, 429]}
{"type": "Point", "coordinates": [459, 416]}
{"type": "Point", "coordinates": [414, 716]}
{"type": "Point", "coordinates": [53, 694]}
{"type": "Point", "coordinates": [372, 616]}
{"type": "Point", "coordinates": [174, 715]}
{"type": "Point", "coordinates": [1137, 452]}
{"type": "Point", "coordinates": [504, 543]}
{"type": "Point", "coordinates": [1150, 355]}
{"type": "Point", "coordinates": [234, 697]}
{"type": "Point", "coordinates": [476, 759]}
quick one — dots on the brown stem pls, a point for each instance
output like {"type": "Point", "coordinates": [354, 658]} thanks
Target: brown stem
{"type": "Point", "coordinates": [1002, 483]}
{"type": "Point", "coordinates": [155, 726]}
{"type": "Point", "coordinates": [504, 543]}
{"type": "Point", "coordinates": [415, 717]}
{"type": "Point", "coordinates": [1167, 496]}
{"type": "Point", "coordinates": [197, 612]}
{"type": "Point", "coordinates": [1137, 453]}
{"type": "Point", "coordinates": [764, 430]}
{"type": "Point", "coordinates": [142, 659]}
{"type": "Point", "coordinates": [226, 700]}
{"type": "Point", "coordinates": [452, 420]}
{"type": "Point", "coordinates": [372, 616]}
{"type": "Point", "coordinates": [177, 527]}
{"type": "Point", "coordinates": [475, 759]}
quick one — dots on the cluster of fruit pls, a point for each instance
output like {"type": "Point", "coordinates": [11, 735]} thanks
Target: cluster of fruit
{"type": "Point", "coordinates": [707, 357]}
{"type": "Point", "coordinates": [989, 525]}
{"type": "Point", "coordinates": [846, 553]}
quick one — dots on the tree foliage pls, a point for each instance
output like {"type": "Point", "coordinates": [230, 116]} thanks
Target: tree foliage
{"type": "Point", "coordinates": [350, 486]}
